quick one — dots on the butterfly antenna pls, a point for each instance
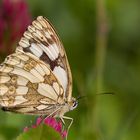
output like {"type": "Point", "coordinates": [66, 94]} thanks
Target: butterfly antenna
{"type": "Point", "coordinates": [80, 97]}
{"type": "Point", "coordinates": [111, 93]}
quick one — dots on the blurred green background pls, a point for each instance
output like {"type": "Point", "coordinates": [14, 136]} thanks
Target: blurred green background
{"type": "Point", "coordinates": [102, 41]}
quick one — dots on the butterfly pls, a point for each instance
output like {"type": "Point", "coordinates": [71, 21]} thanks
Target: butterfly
{"type": "Point", "coordinates": [37, 79]}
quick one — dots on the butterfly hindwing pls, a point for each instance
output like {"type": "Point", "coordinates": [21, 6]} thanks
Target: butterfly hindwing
{"type": "Point", "coordinates": [27, 85]}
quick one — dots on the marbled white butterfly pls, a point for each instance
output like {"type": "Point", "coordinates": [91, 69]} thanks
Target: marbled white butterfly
{"type": "Point", "coordinates": [36, 79]}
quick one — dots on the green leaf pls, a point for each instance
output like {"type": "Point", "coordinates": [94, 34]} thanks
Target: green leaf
{"type": "Point", "coordinates": [42, 132]}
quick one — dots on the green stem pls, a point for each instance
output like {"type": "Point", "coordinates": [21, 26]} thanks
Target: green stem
{"type": "Point", "coordinates": [101, 43]}
{"type": "Point", "coordinates": [101, 47]}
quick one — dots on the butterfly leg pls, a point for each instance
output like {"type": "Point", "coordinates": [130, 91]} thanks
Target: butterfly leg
{"type": "Point", "coordinates": [50, 115]}
{"type": "Point", "coordinates": [67, 118]}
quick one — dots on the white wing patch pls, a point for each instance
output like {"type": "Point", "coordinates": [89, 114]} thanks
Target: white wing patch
{"type": "Point", "coordinates": [4, 79]}
{"type": "Point", "coordinates": [56, 87]}
{"type": "Point", "coordinates": [22, 90]}
{"type": "Point", "coordinates": [3, 89]}
{"type": "Point", "coordinates": [62, 76]}
{"type": "Point", "coordinates": [40, 69]}
{"type": "Point", "coordinates": [50, 51]}
{"type": "Point", "coordinates": [22, 56]}
{"type": "Point", "coordinates": [22, 81]}
{"type": "Point", "coordinates": [24, 42]}
{"type": "Point", "coordinates": [47, 90]}
{"type": "Point", "coordinates": [26, 74]}
{"type": "Point", "coordinates": [36, 50]}
{"type": "Point", "coordinates": [45, 69]}
{"type": "Point", "coordinates": [6, 69]}
{"type": "Point", "coordinates": [54, 50]}
{"type": "Point", "coordinates": [19, 100]}
{"type": "Point", "coordinates": [41, 107]}
{"type": "Point", "coordinates": [37, 74]}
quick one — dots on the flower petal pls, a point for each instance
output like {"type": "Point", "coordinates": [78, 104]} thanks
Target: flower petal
{"type": "Point", "coordinates": [38, 121]}
{"type": "Point", "coordinates": [26, 129]}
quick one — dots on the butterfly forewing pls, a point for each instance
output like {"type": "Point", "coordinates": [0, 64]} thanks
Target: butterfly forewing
{"type": "Point", "coordinates": [41, 40]}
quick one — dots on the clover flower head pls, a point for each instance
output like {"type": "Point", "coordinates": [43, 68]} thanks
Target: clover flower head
{"type": "Point", "coordinates": [14, 18]}
{"type": "Point", "coordinates": [50, 121]}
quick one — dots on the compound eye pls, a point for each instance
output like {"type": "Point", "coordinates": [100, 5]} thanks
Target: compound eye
{"type": "Point", "coordinates": [75, 104]}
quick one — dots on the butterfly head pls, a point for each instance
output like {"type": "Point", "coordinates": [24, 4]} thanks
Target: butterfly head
{"type": "Point", "coordinates": [73, 103]}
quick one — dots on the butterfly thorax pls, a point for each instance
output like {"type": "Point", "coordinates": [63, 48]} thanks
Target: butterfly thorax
{"type": "Point", "coordinates": [67, 106]}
